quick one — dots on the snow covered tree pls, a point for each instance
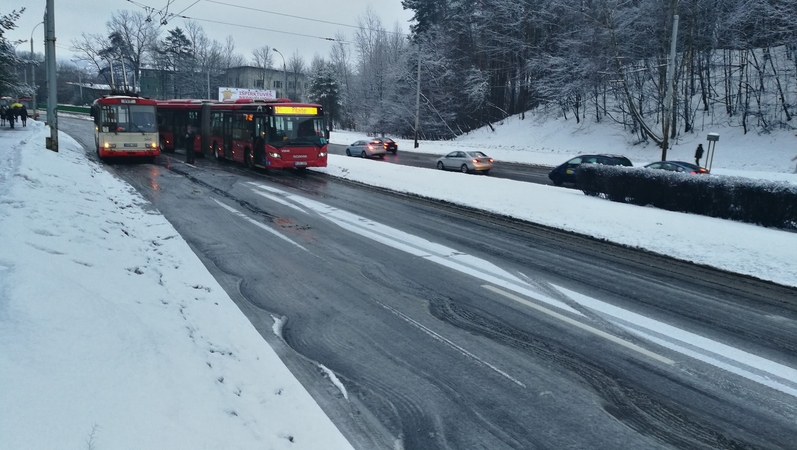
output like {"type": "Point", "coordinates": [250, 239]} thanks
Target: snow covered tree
{"type": "Point", "coordinates": [9, 84]}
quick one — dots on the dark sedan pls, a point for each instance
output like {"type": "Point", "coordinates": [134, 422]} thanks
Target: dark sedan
{"type": "Point", "coordinates": [677, 166]}
{"type": "Point", "coordinates": [566, 173]}
{"type": "Point", "coordinates": [388, 144]}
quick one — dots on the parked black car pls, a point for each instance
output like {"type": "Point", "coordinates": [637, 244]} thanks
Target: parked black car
{"type": "Point", "coordinates": [566, 173]}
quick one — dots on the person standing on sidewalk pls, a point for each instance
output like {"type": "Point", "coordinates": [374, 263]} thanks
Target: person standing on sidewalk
{"type": "Point", "coordinates": [190, 136]}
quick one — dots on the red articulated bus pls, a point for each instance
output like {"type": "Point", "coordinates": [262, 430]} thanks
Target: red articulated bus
{"type": "Point", "coordinates": [173, 118]}
{"type": "Point", "coordinates": [268, 134]}
{"type": "Point", "coordinates": [125, 126]}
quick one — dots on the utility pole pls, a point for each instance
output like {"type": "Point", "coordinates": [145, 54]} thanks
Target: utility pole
{"type": "Point", "coordinates": [52, 85]}
{"type": "Point", "coordinates": [418, 96]}
{"type": "Point", "coordinates": [665, 143]}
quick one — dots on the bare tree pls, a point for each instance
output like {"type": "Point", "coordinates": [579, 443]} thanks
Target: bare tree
{"type": "Point", "coordinates": [263, 58]}
{"type": "Point", "coordinates": [296, 69]}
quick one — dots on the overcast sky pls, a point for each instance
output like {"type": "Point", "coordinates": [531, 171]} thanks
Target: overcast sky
{"type": "Point", "coordinates": [74, 17]}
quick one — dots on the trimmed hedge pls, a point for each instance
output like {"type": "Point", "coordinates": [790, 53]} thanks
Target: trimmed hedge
{"type": "Point", "coordinates": [767, 203]}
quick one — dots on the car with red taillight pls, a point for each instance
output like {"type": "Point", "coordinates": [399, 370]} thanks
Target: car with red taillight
{"type": "Point", "coordinates": [388, 144]}
{"type": "Point", "coordinates": [366, 149]}
{"type": "Point", "coordinates": [463, 161]}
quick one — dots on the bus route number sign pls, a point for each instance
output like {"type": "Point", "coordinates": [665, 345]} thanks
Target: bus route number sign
{"type": "Point", "coordinates": [125, 100]}
{"type": "Point", "coordinates": [303, 110]}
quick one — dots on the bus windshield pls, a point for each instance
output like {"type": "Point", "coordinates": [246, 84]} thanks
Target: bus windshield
{"type": "Point", "coordinates": [295, 130]}
{"type": "Point", "coordinates": [127, 118]}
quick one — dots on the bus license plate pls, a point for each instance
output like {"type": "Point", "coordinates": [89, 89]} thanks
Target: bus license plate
{"type": "Point", "coordinates": [131, 145]}
{"type": "Point", "coordinates": [300, 163]}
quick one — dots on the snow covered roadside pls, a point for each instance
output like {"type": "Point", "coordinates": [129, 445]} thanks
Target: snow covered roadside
{"type": "Point", "coordinates": [114, 334]}
{"type": "Point", "coordinates": [768, 254]}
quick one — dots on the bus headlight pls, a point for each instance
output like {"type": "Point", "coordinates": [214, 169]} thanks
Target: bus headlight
{"type": "Point", "coordinates": [322, 154]}
{"type": "Point", "coordinates": [154, 145]}
{"type": "Point", "coordinates": [107, 145]}
{"type": "Point", "coordinates": [274, 155]}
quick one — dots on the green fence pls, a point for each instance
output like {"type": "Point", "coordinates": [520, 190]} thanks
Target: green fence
{"type": "Point", "coordinates": [74, 109]}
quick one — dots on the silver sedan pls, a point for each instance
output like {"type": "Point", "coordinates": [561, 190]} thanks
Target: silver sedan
{"type": "Point", "coordinates": [366, 149]}
{"type": "Point", "coordinates": [466, 162]}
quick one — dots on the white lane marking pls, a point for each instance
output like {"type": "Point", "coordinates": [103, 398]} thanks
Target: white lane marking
{"type": "Point", "coordinates": [414, 245]}
{"type": "Point", "coordinates": [716, 362]}
{"type": "Point", "coordinates": [746, 364]}
{"type": "Point", "coordinates": [258, 224]}
{"type": "Point", "coordinates": [448, 342]}
{"type": "Point", "coordinates": [276, 199]}
{"type": "Point", "coordinates": [582, 326]}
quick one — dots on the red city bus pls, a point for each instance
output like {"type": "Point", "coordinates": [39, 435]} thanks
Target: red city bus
{"type": "Point", "coordinates": [277, 135]}
{"type": "Point", "coordinates": [268, 134]}
{"type": "Point", "coordinates": [125, 126]}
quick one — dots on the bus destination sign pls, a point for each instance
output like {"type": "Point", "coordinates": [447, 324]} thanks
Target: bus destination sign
{"type": "Point", "coordinates": [300, 110]}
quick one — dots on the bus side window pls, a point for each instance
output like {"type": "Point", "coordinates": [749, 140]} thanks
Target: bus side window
{"type": "Point", "coordinates": [108, 119]}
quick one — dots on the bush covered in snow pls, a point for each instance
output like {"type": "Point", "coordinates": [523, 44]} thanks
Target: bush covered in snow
{"type": "Point", "coordinates": [768, 203]}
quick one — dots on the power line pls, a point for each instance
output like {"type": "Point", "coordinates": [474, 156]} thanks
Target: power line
{"type": "Point", "coordinates": [295, 17]}
{"type": "Point", "coordinates": [167, 16]}
{"type": "Point", "coordinates": [262, 29]}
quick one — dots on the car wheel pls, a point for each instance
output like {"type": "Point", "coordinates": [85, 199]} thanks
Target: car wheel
{"type": "Point", "coordinates": [485, 172]}
{"type": "Point", "coordinates": [394, 151]}
{"type": "Point", "coordinates": [440, 165]}
{"type": "Point", "coordinates": [557, 180]}
{"type": "Point", "coordinates": [162, 143]}
{"type": "Point", "coordinates": [363, 155]}
{"type": "Point", "coordinates": [348, 153]}
{"type": "Point", "coordinates": [382, 157]}
{"type": "Point", "coordinates": [464, 168]}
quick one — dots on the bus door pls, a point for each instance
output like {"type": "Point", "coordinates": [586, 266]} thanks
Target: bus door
{"type": "Point", "coordinates": [259, 139]}
{"type": "Point", "coordinates": [227, 133]}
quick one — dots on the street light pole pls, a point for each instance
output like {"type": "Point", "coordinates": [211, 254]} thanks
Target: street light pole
{"type": "Point", "coordinates": [33, 72]}
{"type": "Point", "coordinates": [418, 96]}
{"type": "Point", "coordinates": [284, 69]}
{"type": "Point", "coordinates": [16, 66]}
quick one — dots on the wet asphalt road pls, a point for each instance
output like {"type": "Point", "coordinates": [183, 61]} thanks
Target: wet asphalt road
{"type": "Point", "coordinates": [519, 172]}
{"type": "Point", "coordinates": [411, 304]}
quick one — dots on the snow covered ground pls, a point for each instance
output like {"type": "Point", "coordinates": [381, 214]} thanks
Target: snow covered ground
{"type": "Point", "coordinates": [116, 336]}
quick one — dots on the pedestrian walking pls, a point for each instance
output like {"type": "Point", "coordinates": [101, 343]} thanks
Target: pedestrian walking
{"type": "Point", "coordinates": [190, 136]}
{"type": "Point", "coordinates": [3, 115]}
{"type": "Point", "coordinates": [11, 116]}
{"type": "Point", "coordinates": [23, 116]}
{"type": "Point", "coordinates": [698, 153]}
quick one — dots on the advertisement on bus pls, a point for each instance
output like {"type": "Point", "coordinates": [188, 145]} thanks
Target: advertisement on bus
{"type": "Point", "coordinates": [228, 93]}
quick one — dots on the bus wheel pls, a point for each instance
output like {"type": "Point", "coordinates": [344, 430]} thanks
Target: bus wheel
{"type": "Point", "coordinates": [248, 162]}
{"type": "Point", "coordinates": [162, 143]}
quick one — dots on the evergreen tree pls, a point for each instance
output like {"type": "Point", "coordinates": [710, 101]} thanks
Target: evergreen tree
{"type": "Point", "coordinates": [9, 84]}
{"type": "Point", "coordinates": [324, 90]}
